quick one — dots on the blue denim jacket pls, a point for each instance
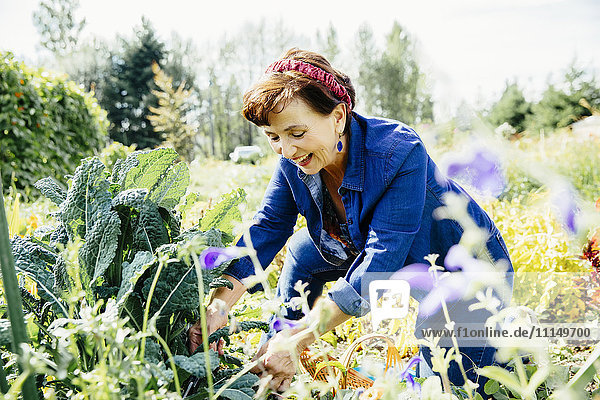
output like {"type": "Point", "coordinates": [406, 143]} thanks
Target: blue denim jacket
{"type": "Point", "coordinates": [389, 191]}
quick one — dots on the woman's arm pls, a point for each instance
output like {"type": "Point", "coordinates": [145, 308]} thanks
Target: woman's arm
{"type": "Point", "coordinates": [277, 362]}
{"type": "Point", "coordinates": [323, 317]}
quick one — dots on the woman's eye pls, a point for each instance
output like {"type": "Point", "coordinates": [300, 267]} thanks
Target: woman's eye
{"type": "Point", "coordinates": [298, 135]}
{"type": "Point", "coordinates": [273, 138]}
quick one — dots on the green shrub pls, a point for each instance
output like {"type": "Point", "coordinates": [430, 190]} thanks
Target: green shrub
{"type": "Point", "coordinates": [125, 251]}
{"type": "Point", "coordinates": [47, 124]}
{"type": "Point", "coordinates": [576, 159]}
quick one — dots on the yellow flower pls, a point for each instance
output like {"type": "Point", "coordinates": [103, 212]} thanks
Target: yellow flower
{"type": "Point", "coordinates": [33, 221]}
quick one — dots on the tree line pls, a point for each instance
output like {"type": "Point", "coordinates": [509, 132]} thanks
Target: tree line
{"type": "Point", "coordinates": [189, 95]}
{"type": "Point", "coordinates": [574, 96]}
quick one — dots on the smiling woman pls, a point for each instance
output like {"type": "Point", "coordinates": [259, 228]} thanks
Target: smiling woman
{"type": "Point", "coordinates": [367, 188]}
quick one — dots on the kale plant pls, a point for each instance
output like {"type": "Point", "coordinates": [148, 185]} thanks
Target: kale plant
{"type": "Point", "coordinates": [123, 227]}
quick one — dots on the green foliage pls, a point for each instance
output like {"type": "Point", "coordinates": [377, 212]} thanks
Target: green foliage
{"type": "Point", "coordinates": [127, 90]}
{"type": "Point", "coordinates": [225, 213]}
{"type": "Point", "coordinates": [575, 159]}
{"type": "Point", "coordinates": [562, 105]}
{"type": "Point", "coordinates": [117, 240]}
{"type": "Point", "coordinates": [169, 119]}
{"type": "Point", "coordinates": [47, 124]}
{"type": "Point", "coordinates": [328, 42]}
{"type": "Point", "coordinates": [511, 108]}
{"type": "Point", "coordinates": [395, 85]}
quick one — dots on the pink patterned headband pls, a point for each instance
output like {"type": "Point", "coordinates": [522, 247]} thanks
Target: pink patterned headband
{"type": "Point", "coordinates": [314, 72]}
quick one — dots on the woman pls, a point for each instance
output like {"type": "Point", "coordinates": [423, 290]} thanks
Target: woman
{"type": "Point", "coordinates": [367, 188]}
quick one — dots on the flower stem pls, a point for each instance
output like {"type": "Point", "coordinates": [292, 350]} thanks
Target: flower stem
{"type": "Point", "coordinates": [456, 349]}
{"type": "Point", "coordinates": [204, 328]}
{"type": "Point", "coordinates": [147, 310]}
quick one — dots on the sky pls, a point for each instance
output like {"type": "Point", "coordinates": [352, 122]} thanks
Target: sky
{"type": "Point", "coordinates": [470, 48]}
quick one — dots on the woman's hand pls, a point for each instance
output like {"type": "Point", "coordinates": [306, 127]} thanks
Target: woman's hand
{"type": "Point", "coordinates": [216, 318]}
{"type": "Point", "coordinates": [277, 365]}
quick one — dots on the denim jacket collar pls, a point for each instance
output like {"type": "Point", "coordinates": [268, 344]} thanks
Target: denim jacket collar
{"type": "Point", "coordinates": [354, 176]}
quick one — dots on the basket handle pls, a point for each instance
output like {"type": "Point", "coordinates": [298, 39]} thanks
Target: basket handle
{"type": "Point", "coordinates": [393, 356]}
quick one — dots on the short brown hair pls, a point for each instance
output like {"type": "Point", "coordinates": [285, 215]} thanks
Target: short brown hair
{"type": "Point", "coordinates": [275, 88]}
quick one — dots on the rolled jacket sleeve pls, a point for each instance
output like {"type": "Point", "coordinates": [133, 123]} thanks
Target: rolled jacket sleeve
{"type": "Point", "coordinates": [273, 225]}
{"type": "Point", "coordinates": [395, 222]}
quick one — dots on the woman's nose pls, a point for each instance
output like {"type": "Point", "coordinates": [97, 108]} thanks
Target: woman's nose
{"type": "Point", "coordinates": [287, 149]}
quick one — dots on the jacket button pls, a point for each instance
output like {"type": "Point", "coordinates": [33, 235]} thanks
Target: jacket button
{"type": "Point", "coordinates": [349, 221]}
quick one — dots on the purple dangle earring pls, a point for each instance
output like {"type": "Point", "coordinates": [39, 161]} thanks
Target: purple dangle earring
{"type": "Point", "coordinates": [340, 146]}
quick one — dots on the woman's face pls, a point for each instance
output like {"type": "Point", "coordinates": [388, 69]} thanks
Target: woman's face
{"type": "Point", "coordinates": [307, 138]}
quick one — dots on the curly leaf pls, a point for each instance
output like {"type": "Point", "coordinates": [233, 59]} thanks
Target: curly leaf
{"type": "Point", "coordinates": [101, 244]}
{"type": "Point", "coordinates": [176, 290]}
{"type": "Point", "coordinates": [37, 261]}
{"type": "Point", "coordinates": [34, 259]}
{"type": "Point", "coordinates": [244, 384]}
{"type": "Point", "coordinates": [235, 394]}
{"type": "Point", "coordinates": [132, 272]}
{"type": "Point", "coordinates": [225, 214]}
{"type": "Point", "coordinates": [149, 231]}
{"type": "Point", "coordinates": [168, 191]}
{"type": "Point", "coordinates": [153, 353]}
{"type": "Point", "coordinates": [188, 202]}
{"type": "Point", "coordinates": [88, 198]}
{"type": "Point", "coordinates": [52, 190]}
{"type": "Point", "coordinates": [5, 333]}
{"type": "Point", "coordinates": [196, 364]}
{"type": "Point", "coordinates": [141, 169]}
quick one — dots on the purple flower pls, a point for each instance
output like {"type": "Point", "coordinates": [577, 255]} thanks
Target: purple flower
{"type": "Point", "coordinates": [450, 287]}
{"type": "Point", "coordinates": [212, 257]}
{"type": "Point", "coordinates": [280, 323]}
{"type": "Point", "coordinates": [407, 376]}
{"type": "Point", "coordinates": [564, 200]}
{"type": "Point", "coordinates": [482, 171]}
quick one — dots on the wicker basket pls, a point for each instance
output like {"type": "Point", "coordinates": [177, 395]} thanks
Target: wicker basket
{"type": "Point", "coordinates": [352, 379]}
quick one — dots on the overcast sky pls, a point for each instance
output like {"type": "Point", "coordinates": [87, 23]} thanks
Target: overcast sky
{"type": "Point", "coordinates": [471, 47]}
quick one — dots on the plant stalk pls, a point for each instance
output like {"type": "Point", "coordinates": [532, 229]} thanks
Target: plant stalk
{"type": "Point", "coordinates": [204, 328]}
{"type": "Point", "coordinates": [14, 303]}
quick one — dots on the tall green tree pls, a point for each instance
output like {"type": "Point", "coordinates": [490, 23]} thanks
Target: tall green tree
{"type": "Point", "coordinates": [368, 54]}
{"type": "Point", "coordinates": [394, 85]}
{"type": "Point", "coordinates": [169, 119]}
{"type": "Point", "coordinates": [57, 25]}
{"type": "Point", "coordinates": [328, 43]}
{"type": "Point", "coordinates": [222, 123]}
{"type": "Point", "coordinates": [512, 108]}
{"type": "Point", "coordinates": [127, 90]}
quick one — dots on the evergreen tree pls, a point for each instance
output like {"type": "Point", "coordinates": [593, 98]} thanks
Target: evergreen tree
{"type": "Point", "coordinates": [169, 119]}
{"type": "Point", "coordinates": [57, 25]}
{"type": "Point", "coordinates": [127, 91]}
{"type": "Point", "coordinates": [393, 82]}
{"type": "Point", "coordinates": [559, 108]}
{"type": "Point", "coordinates": [368, 55]}
{"type": "Point", "coordinates": [328, 44]}
{"type": "Point", "coordinates": [511, 108]}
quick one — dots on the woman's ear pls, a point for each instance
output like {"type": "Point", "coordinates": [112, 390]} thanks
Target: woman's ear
{"type": "Point", "coordinates": [339, 115]}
